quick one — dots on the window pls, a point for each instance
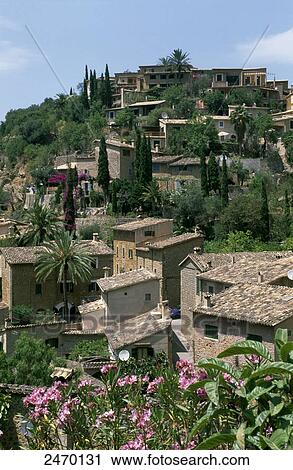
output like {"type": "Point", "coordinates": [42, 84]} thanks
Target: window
{"type": "Point", "coordinates": [156, 167]}
{"type": "Point", "coordinates": [39, 289]}
{"type": "Point", "coordinates": [253, 337]}
{"type": "Point", "coordinates": [117, 251]}
{"type": "Point", "coordinates": [291, 124]}
{"type": "Point", "coordinates": [142, 352]}
{"type": "Point", "coordinates": [171, 75]}
{"type": "Point", "coordinates": [163, 76]}
{"type": "Point", "coordinates": [211, 331]}
{"type": "Point", "coordinates": [221, 123]}
{"type": "Point", "coordinates": [130, 254]}
{"type": "Point", "coordinates": [149, 233]}
{"type": "Point", "coordinates": [148, 297]}
{"type": "Point", "coordinates": [93, 286]}
{"type": "Point", "coordinates": [123, 252]}
{"type": "Point", "coordinates": [211, 289]}
{"type": "Point", "coordinates": [126, 153]}
{"type": "Point", "coordinates": [247, 80]}
{"type": "Point", "coordinates": [219, 77]}
{"type": "Point", "coordinates": [125, 293]}
{"type": "Point", "coordinates": [52, 342]}
{"type": "Point", "coordinates": [153, 77]}
{"type": "Point", "coordinates": [117, 268]}
{"type": "Point", "coordinates": [69, 287]}
{"type": "Point", "coordinates": [111, 114]}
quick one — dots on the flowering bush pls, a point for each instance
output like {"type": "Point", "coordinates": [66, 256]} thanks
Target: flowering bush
{"type": "Point", "coordinates": [58, 178]}
{"type": "Point", "coordinates": [213, 405]}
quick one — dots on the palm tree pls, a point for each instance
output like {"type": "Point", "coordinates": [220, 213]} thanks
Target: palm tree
{"type": "Point", "coordinates": [152, 196]}
{"type": "Point", "coordinates": [180, 61]}
{"type": "Point", "coordinates": [42, 223]}
{"type": "Point", "coordinates": [240, 118]}
{"type": "Point", "coordinates": [68, 258]}
{"type": "Point", "coordinates": [165, 61]}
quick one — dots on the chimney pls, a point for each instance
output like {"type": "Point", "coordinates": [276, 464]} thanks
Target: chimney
{"type": "Point", "coordinates": [209, 263]}
{"type": "Point", "coordinates": [106, 271]}
{"type": "Point", "coordinates": [164, 310]}
{"type": "Point", "coordinates": [260, 277]}
{"type": "Point", "coordinates": [132, 143]}
{"type": "Point", "coordinates": [207, 300]}
{"type": "Point", "coordinates": [95, 237]}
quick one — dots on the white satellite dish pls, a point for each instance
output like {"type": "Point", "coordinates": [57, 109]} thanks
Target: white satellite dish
{"type": "Point", "coordinates": [124, 355]}
{"type": "Point", "coordinates": [290, 274]}
{"type": "Point", "coordinates": [165, 115]}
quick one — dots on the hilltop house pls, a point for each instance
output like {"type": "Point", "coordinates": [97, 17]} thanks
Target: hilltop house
{"type": "Point", "coordinates": [120, 158]}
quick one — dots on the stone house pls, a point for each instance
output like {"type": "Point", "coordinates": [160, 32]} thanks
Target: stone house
{"type": "Point", "coordinates": [120, 158]}
{"type": "Point", "coordinates": [19, 285]}
{"type": "Point", "coordinates": [244, 311]}
{"type": "Point", "coordinates": [160, 76]}
{"type": "Point", "coordinates": [214, 272]}
{"type": "Point", "coordinates": [163, 258]}
{"type": "Point", "coordinates": [126, 238]}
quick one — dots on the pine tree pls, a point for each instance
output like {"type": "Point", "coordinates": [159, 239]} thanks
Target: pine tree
{"type": "Point", "coordinates": [264, 213]}
{"type": "Point", "coordinates": [224, 184]}
{"type": "Point", "coordinates": [203, 176]}
{"type": "Point", "coordinates": [213, 173]}
{"type": "Point", "coordinates": [86, 73]}
{"type": "Point", "coordinates": [137, 162]}
{"type": "Point", "coordinates": [103, 168]}
{"type": "Point", "coordinates": [287, 211]}
{"type": "Point", "coordinates": [84, 96]}
{"type": "Point", "coordinates": [108, 89]}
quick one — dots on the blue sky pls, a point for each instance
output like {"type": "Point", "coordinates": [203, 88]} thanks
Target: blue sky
{"type": "Point", "coordinates": [129, 33]}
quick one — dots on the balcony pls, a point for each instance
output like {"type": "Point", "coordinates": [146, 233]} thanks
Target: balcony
{"type": "Point", "coordinates": [220, 84]}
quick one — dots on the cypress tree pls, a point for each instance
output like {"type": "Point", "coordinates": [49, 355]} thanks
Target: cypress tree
{"type": "Point", "coordinates": [203, 176]}
{"type": "Point", "coordinates": [148, 163]}
{"type": "Point", "coordinates": [114, 198]}
{"type": "Point", "coordinates": [143, 173]}
{"type": "Point", "coordinates": [71, 91]}
{"type": "Point", "coordinates": [95, 86]}
{"type": "Point", "coordinates": [102, 91]}
{"type": "Point", "coordinates": [108, 89]}
{"type": "Point", "coordinates": [224, 184]}
{"type": "Point", "coordinates": [287, 212]}
{"type": "Point", "coordinates": [264, 214]}
{"type": "Point", "coordinates": [103, 168]}
{"type": "Point", "coordinates": [69, 203]}
{"type": "Point", "coordinates": [137, 162]}
{"type": "Point", "coordinates": [86, 73]}
{"type": "Point", "coordinates": [92, 88]}
{"type": "Point", "coordinates": [213, 173]}
{"type": "Point", "coordinates": [84, 96]}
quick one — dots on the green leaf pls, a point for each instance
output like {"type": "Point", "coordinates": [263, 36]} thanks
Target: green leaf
{"type": "Point", "coordinates": [240, 436]}
{"type": "Point", "coordinates": [214, 441]}
{"type": "Point", "coordinates": [260, 419]}
{"type": "Point", "coordinates": [279, 438]}
{"type": "Point", "coordinates": [217, 365]}
{"type": "Point", "coordinates": [257, 392]}
{"type": "Point", "coordinates": [285, 352]}
{"type": "Point", "coordinates": [281, 338]}
{"type": "Point", "coordinates": [272, 368]}
{"type": "Point", "coordinates": [247, 347]}
{"type": "Point", "coordinates": [181, 407]}
{"type": "Point", "coordinates": [268, 443]}
{"type": "Point", "coordinates": [200, 424]}
{"type": "Point", "coordinates": [276, 409]}
{"type": "Point", "coordinates": [212, 389]}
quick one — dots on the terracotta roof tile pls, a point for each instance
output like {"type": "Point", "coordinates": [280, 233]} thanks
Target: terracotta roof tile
{"type": "Point", "coordinates": [129, 278]}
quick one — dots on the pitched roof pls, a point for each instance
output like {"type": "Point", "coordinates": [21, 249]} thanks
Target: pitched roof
{"type": "Point", "coordinates": [174, 240]}
{"type": "Point", "coordinates": [129, 278]}
{"type": "Point", "coordinates": [136, 328]}
{"type": "Point", "coordinates": [146, 103]}
{"type": "Point", "coordinates": [29, 254]}
{"type": "Point", "coordinates": [247, 270]}
{"type": "Point", "coordinates": [175, 121]}
{"type": "Point", "coordinates": [258, 303]}
{"type": "Point", "coordinates": [90, 306]}
{"type": "Point", "coordinates": [165, 158]}
{"type": "Point", "coordinates": [186, 161]}
{"type": "Point", "coordinates": [140, 223]}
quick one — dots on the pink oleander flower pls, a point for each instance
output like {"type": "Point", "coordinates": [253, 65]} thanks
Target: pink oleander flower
{"type": "Point", "coordinates": [153, 386]}
{"type": "Point", "coordinates": [269, 431]}
{"type": "Point", "coordinates": [201, 393]}
{"type": "Point", "coordinates": [65, 411]}
{"type": "Point", "coordinates": [145, 379]}
{"type": "Point", "coordinates": [191, 445]}
{"type": "Point", "coordinates": [108, 416]}
{"type": "Point", "coordinates": [107, 367]}
{"type": "Point", "coordinates": [141, 418]}
{"type": "Point", "coordinates": [268, 378]}
{"type": "Point", "coordinates": [98, 423]}
{"type": "Point", "coordinates": [175, 446]}
{"type": "Point", "coordinates": [1, 433]}
{"type": "Point", "coordinates": [254, 358]}
{"type": "Point", "coordinates": [84, 383]}
{"type": "Point", "coordinates": [127, 380]}
{"type": "Point", "coordinates": [136, 444]}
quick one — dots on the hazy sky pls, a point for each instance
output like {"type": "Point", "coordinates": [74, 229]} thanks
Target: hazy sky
{"type": "Point", "coordinates": [129, 33]}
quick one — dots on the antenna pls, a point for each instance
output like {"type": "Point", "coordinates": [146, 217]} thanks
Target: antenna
{"type": "Point", "coordinates": [124, 355]}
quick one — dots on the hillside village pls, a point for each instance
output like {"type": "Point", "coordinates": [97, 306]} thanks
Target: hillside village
{"type": "Point", "coordinates": [148, 211]}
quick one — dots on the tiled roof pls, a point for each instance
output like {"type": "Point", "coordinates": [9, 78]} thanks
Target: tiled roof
{"type": "Point", "coordinates": [146, 103]}
{"type": "Point", "coordinates": [247, 270]}
{"type": "Point", "coordinates": [186, 161]}
{"type": "Point", "coordinates": [140, 223]}
{"type": "Point", "coordinates": [207, 261]}
{"type": "Point", "coordinates": [48, 323]}
{"type": "Point", "coordinates": [90, 306]}
{"type": "Point", "coordinates": [165, 158]}
{"type": "Point", "coordinates": [15, 389]}
{"type": "Point", "coordinates": [172, 240]}
{"type": "Point", "coordinates": [258, 303]}
{"type": "Point", "coordinates": [82, 332]}
{"type": "Point", "coordinates": [174, 121]}
{"type": "Point", "coordinates": [134, 329]}
{"type": "Point", "coordinates": [29, 254]}
{"type": "Point", "coordinates": [129, 278]}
